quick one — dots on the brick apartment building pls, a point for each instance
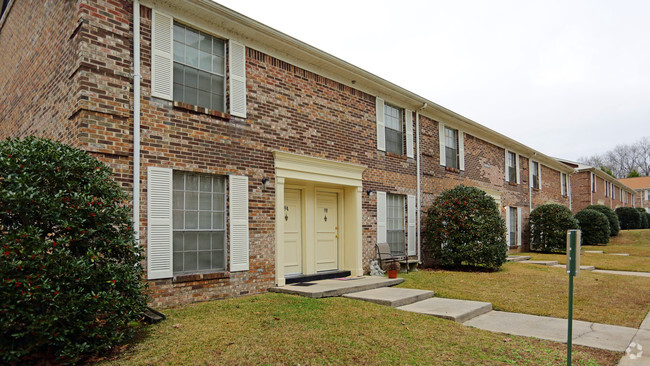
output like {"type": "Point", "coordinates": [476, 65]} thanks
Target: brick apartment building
{"type": "Point", "coordinates": [592, 186]}
{"type": "Point", "coordinates": [641, 185]}
{"type": "Point", "coordinates": [258, 159]}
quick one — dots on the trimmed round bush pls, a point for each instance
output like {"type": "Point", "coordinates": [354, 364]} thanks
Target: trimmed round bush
{"type": "Point", "coordinates": [464, 228]}
{"type": "Point", "coordinates": [71, 272]}
{"type": "Point", "coordinates": [629, 218]}
{"type": "Point", "coordinates": [614, 225]}
{"type": "Point", "coordinates": [594, 226]}
{"type": "Point", "coordinates": [644, 218]}
{"type": "Point", "coordinates": [548, 226]}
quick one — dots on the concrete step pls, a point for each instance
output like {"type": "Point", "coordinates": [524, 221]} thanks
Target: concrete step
{"type": "Point", "coordinates": [593, 251]}
{"type": "Point", "coordinates": [456, 310]}
{"type": "Point", "coordinates": [543, 263]}
{"type": "Point", "coordinates": [582, 268]}
{"type": "Point", "coordinates": [517, 258]}
{"type": "Point", "coordinates": [336, 287]}
{"type": "Point", "coordinates": [391, 296]}
{"type": "Point", "coordinates": [621, 254]}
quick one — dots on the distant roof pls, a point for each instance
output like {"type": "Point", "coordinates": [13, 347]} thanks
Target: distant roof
{"type": "Point", "coordinates": [637, 182]}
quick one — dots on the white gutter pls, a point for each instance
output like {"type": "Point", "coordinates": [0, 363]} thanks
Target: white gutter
{"type": "Point", "coordinates": [419, 189]}
{"type": "Point", "coordinates": [136, 119]}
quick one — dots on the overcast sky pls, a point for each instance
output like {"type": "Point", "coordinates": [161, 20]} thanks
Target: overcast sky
{"type": "Point", "coordinates": [568, 78]}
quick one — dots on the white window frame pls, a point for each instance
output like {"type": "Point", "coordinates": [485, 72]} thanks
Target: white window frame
{"type": "Point", "coordinates": [564, 184]}
{"type": "Point", "coordinates": [507, 167]}
{"type": "Point", "coordinates": [400, 117]}
{"type": "Point", "coordinates": [395, 222]}
{"type": "Point", "coordinates": [517, 231]}
{"type": "Point", "coordinates": [442, 142]}
{"type": "Point", "coordinates": [539, 174]}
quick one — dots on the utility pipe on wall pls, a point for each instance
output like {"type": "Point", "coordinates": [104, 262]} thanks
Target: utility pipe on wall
{"type": "Point", "coordinates": [136, 119]}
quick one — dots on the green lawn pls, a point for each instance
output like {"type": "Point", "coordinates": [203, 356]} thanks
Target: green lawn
{"type": "Point", "coordinates": [289, 330]}
{"type": "Point", "coordinates": [542, 290]}
{"type": "Point", "coordinates": [600, 261]}
{"type": "Point", "coordinates": [634, 242]}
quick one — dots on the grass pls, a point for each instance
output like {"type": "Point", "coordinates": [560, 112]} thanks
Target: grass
{"type": "Point", "coordinates": [289, 330]}
{"type": "Point", "coordinates": [541, 290]}
{"type": "Point", "coordinates": [634, 242]}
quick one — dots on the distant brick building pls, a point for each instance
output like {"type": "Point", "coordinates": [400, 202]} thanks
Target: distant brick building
{"type": "Point", "coordinates": [641, 186]}
{"type": "Point", "coordinates": [592, 186]}
{"type": "Point", "coordinates": [258, 159]}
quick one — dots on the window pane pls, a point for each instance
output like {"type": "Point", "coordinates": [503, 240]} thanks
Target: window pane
{"type": "Point", "coordinates": [217, 84]}
{"type": "Point", "coordinates": [191, 77]}
{"type": "Point", "coordinates": [191, 220]}
{"type": "Point", "coordinates": [178, 242]}
{"type": "Point", "coordinates": [205, 220]}
{"type": "Point", "coordinates": [192, 38]}
{"type": "Point", "coordinates": [192, 56]}
{"type": "Point", "coordinates": [179, 73]}
{"type": "Point", "coordinates": [179, 218]}
{"type": "Point", "coordinates": [219, 185]}
{"type": "Point", "coordinates": [179, 33]}
{"type": "Point", "coordinates": [218, 221]}
{"type": "Point", "coordinates": [451, 160]}
{"type": "Point", "coordinates": [191, 201]}
{"type": "Point", "coordinates": [205, 61]}
{"type": "Point", "coordinates": [178, 92]}
{"type": "Point", "coordinates": [205, 260]}
{"type": "Point", "coordinates": [218, 259]}
{"type": "Point", "coordinates": [218, 240]}
{"type": "Point", "coordinates": [204, 241]}
{"type": "Point", "coordinates": [205, 201]}
{"type": "Point", "coordinates": [204, 81]}
{"type": "Point", "coordinates": [189, 261]}
{"type": "Point", "coordinates": [178, 183]}
{"type": "Point", "coordinates": [205, 43]}
{"type": "Point", "coordinates": [178, 199]}
{"type": "Point", "coordinates": [190, 95]}
{"type": "Point", "coordinates": [217, 102]}
{"type": "Point", "coordinates": [179, 52]}
{"type": "Point", "coordinates": [217, 65]}
{"type": "Point", "coordinates": [178, 262]}
{"type": "Point", "coordinates": [218, 202]}
{"type": "Point", "coordinates": [190, 241]}
{"type": "Point", "coordinates": [218, 47]}
{"type": "Point", "coordinates": [204, 99]}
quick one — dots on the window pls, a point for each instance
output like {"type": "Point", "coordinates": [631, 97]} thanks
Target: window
{"type": "Point", "coordinates": [393, 120]}
{"type": "Point", "coordinates": [513, 230]}
{"type": "Point", "coordinates": [535, 175]}
{"type": "Point", "coordinates": [451, 148]}
{"type": "Point", "coordinates": [593, 182]}
{"type": "Point", "coordinates": [199, 68]}
{"type": "Point", "coordinates": [648, 195]}
{"type": "Point", "coordinates": [564, 184]}
{"type": "Point", "coordinates": [511, 166]}
{"type": "Point", "coordinates": [199, 223]}
{"type": "Point", "coordinates": [395, 223]}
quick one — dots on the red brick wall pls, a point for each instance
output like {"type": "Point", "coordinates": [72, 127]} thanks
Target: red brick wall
{"type": "Point", "coordinates": [38, 45]}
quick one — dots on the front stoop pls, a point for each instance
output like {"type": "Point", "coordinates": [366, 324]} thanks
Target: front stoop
{"type": "Point", "coordinates": [517, 258]}
{"type": "Point", "coordinates": [456, 310]}
{"type": "Point", "coordinates": [392, 297]}
{"type": "Point", "coordinates": [543, 263]}
{"type": "Point", "coordinates": [336, 287]}
{"type": "Point", "coordinates": [582, 268]}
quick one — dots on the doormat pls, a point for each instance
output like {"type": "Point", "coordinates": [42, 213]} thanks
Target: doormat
{"type": "Point", "coordinates": [349, 278]}
{"type": "Point", "coordinates": [304, 284]}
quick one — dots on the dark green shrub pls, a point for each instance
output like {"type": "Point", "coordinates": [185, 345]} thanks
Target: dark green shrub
{"type": "Point", "coordinates": [464, 228]}
{"type": "Point", "coordinates": [644, 218]}
{"type": "Point", "coordinates": [629, 218]}
{"type": "Point", "coordinates": [614, 225]}
{"type": "Point", "coordinates": [71, 273]}
{"type": "Point", "coordinates": [548, 226]}
{"type": "Point", "coordinates": [594, 226]}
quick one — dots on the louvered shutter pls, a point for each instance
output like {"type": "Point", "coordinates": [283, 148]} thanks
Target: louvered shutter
{"type": "Point", "coordinates": [461, 150]}
{"type": "Point", "coordinates": [519, 228]}
{"type": "Point", "coordinates": [506, 166]}
{"type": "Point", "coordinates": [159, 223]}
{"type": "Point", "coordinates": [517, 167]}
{"type": "Point", "coordinates": [381, 125]}
{"type": "Point", "coordinates": [441, 141]}
{"type": "Point", "coordinates": [409, 134]}
{"type": "Point", "coordinates": [530, 173]}
{"type": "Point", "coordinates": [162, 59]}
{"type": "Point", "coordinates": [381, 218]}
{"type": "Point", "coordinates": [539, 175]}
{"type": "Point", "coordinates": [237, 68]}
{"type": "Point", "coordinates": [508, 226]}
{"type": "Point", "coordinates": [410, 209]}
{"type": "Point", "coordinates": [238, 189]}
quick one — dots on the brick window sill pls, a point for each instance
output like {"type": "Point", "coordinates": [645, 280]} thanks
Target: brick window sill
{"type": "Point", "coordinates": [202, 110]}
{"type": "Point", "coordinates": [513, 184]}
{"type": "Point", "coordinates": [453, 170]}
{"type": "Point", "coordinates": [396, 155]}
{"type": "Point", "coordinates": [536, 189]}
{"type": "Point", "coordinates": [200, 276]}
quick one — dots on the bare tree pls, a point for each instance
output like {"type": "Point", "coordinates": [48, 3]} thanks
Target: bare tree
{"type": "Point", "coordinates": [643, 149]}
{"type": "Point", "coordinates": [623, 159]}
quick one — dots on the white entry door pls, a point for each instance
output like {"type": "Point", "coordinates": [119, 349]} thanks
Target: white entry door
{"type": "Point", "coordinates": [292, 232]}
{"type": "Point", "coordinates": [327, 241]}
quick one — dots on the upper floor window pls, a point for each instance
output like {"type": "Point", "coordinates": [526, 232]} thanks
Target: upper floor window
{"type": "Point", "coordinates": [451, 148]}
{"type": "Point", "coordinates": [199, 68]}
{"type": "Point", "coordinates": [535, 175]}
{"type": "Point", "coordinates": [593, 182]}
{"type": "Point", "coordinates": [393, 121]}
{"type": "Point", "coordinates": [511, 167]}
{"type": "Point", "coordinates": [564, 184]}
{"type": "Point", "coordinates": [648, 195]}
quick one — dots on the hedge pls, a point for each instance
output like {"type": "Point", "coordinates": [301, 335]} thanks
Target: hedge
{"type": "Point", "coordinates": [629, 217]}
{"type": "Point", "coordinates": [594, 226]}
{"type": "Point", "coordinates": [614, 225]}
{"type": "Point", "coordinates": [548, 226]}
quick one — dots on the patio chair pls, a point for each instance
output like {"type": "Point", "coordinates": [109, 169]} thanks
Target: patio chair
{"type": "Point", "coordinates": [385, 255]}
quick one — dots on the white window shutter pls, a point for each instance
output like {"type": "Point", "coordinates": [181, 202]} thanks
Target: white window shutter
{"type": "Point", "coordinates": [238, 223]}
{"type": "Point", "coordinates": [381, 125]}
{"type": "Point", "coordinates": [237, 68]}
{"type": "Point", "coordinates": [518, 170]}
{"type": "Point", "coordinates": [507, 226]}
{"type": "Point", "coordinates": [539, 175]}
{"type": "Point", "coordinates": [159, 223]}
{"type": "Point", "coordinates": [519, 228]}
{"type": "Point", "coordinates": [506, 165]}
{"type": "Point", "coordinates": [461, 150]}
{"type": "Point", "coordinates": [530, 172]}
{"type": "Point", "coordinates": [409, 134]}
{"type": "Point", "coordinates": [441, 134]}
{"type": "Point", "coordinates": [381, 218]}
{"type": "Point", "coordinates": [162, 59]}
{"type": "Point", "coordinates": [411, 217]}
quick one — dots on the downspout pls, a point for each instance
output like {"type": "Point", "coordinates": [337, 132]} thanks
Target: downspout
{"type": "Point", "coordinates": [419, 189]}
{"type": "Point", "coordinates": [136, 119]}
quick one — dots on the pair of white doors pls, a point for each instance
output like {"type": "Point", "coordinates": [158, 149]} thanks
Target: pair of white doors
{"type": "Point", "coordinates": [325, 240]}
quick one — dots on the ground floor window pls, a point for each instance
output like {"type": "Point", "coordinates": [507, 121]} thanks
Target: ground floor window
{"type": "Point", "coordinates": [199, 229]}
{"type": "Point", "coordinates": [513, 228]}
{"type": "Point", "coordinates": [396, 236]}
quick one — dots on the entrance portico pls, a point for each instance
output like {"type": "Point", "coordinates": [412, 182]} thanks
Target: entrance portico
{"type": "Point", "coordinates": [318, 216]}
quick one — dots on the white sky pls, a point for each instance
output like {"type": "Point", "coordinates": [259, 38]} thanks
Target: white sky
{"type": "Point", "coordinates": [569, 78]}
